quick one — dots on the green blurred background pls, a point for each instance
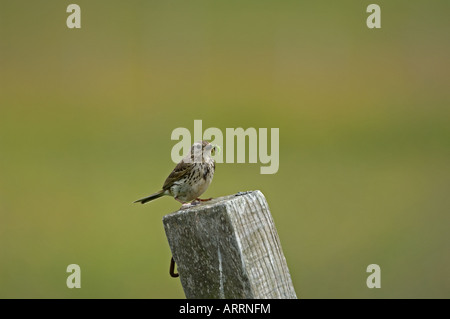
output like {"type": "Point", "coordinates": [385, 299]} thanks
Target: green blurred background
{"type": "Point", "coordinates": [86, 117]}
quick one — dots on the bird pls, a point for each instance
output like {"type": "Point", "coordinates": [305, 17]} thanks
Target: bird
{"type": "Point", "coordinates": [191, 176]}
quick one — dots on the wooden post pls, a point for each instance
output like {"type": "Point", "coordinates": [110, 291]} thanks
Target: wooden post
{"type": "Point", "coordinates": [229, 248]}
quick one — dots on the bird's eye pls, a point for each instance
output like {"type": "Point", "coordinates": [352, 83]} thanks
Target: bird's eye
{"type": "Point", "coordinates": [198, 146]}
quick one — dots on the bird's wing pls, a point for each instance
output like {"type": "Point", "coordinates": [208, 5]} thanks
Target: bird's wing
{"type": "Point", "coordinates": [178, 172]}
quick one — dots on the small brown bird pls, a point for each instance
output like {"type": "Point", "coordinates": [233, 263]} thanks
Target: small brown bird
{"type": "Point", "coordinates": [191, 177]}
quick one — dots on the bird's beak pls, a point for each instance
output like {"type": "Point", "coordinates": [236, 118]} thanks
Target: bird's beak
{"type": "Point", "coordinates": [216, 148]}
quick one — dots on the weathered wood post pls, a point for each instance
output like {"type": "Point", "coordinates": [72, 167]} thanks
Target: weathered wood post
{"type": "Point", "coordinates": [229, 248]}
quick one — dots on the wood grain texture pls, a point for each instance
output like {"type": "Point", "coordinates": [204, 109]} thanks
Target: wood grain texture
{"type": "Point", "coordinates": [229, 248]}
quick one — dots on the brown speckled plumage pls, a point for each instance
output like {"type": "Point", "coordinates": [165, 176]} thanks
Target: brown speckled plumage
{"type": "Point", "coordinates": [191, 177]}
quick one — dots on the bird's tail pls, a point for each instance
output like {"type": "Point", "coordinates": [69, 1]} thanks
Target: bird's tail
{"type": "Point", "coordinates": [151, 197]}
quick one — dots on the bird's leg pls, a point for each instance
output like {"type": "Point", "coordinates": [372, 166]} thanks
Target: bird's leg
{"type": "Point", "coordinates": [204, 200]}
{"type": "Point", "coordinates": [184, 205]}
{"type": "Point", "coordinates": [179, 200]}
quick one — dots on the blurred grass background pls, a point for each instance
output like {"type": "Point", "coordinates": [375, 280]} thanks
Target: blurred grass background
{"type": "Point", "coordinates": [86, 117]}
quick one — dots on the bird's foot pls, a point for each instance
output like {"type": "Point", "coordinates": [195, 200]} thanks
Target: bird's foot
{"type": "Point", "coordinates": [191, 204]}
{"type": "Point", "coordinates": [195, 202]}
{"type": "Point", "coordinates": [186, 205]}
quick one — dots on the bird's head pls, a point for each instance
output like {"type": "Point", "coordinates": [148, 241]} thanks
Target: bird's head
{"type": "Point", "coordinates": [204, 148]}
